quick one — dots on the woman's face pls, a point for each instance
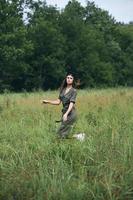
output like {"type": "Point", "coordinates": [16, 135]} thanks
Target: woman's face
{"type": "Point", "coordinates": [69, 79]}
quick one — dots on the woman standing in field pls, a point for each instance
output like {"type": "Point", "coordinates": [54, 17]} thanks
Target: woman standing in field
{"type": "Point", "coordinates": [67, 96]}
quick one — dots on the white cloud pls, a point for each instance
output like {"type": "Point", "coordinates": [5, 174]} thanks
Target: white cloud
{"type": "Point", "coordinates": [121, 10]}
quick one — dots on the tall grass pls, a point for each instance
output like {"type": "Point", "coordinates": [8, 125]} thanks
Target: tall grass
{"type": "Point", "coordinates": [35, 165]}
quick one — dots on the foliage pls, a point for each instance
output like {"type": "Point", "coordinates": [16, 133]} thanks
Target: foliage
{"type": "Point", "coordinates": [39, 44]}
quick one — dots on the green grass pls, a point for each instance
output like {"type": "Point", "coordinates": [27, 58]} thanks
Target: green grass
{"type": "Point", "coordinates": [35, 165]}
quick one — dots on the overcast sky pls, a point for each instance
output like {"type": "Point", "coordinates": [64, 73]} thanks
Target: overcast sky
{"type": "Point", "coordinates": [121, 10]}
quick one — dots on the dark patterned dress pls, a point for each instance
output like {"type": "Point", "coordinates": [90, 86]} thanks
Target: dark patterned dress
{"type": "Point", "coordinates": [66, 126]}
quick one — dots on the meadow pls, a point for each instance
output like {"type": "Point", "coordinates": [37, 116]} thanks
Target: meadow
{"type": "Point", "coordinates": [35, 165]}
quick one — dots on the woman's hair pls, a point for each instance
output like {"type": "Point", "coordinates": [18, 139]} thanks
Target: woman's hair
{"type": "Point", "coordinates": [64, 82]}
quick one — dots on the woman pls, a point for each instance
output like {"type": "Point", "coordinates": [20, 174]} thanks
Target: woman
{"type": "Point", "coordinates": [68, 98]}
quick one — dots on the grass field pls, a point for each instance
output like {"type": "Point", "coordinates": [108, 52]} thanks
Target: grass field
{"type": "Point", "coordinates": [35, 165]}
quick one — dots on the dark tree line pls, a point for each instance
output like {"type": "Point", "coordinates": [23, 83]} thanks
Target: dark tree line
{"type": "Point", "coordinates": [38, 49]}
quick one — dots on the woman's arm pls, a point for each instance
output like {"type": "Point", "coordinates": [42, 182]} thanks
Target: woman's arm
{"type": "Point", "coordinates": [53, 102]}
{"type": "Point", "coordinates": [68, 110]}
{"type": "Point", "coordinates": [72, 102]}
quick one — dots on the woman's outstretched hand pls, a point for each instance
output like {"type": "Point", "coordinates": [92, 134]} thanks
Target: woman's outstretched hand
{"type": "Point", "coordinates": [44, 101]}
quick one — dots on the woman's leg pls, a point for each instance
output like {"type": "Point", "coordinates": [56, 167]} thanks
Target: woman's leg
{"type": "Point", "coordinates": [64, 130]}
{"type": "Point", "coordinates": [66, 126]}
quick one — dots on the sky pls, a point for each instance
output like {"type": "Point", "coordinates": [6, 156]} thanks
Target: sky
{"type": "Point", "coordinates": [121, 10]}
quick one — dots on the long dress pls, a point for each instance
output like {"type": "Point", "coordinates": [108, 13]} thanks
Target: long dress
{"type": "Point", "coordinates": [66, 126]}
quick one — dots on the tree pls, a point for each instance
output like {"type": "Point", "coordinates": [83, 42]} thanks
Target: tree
{"type": "Point", "coordinates": [14, 46]}
{"type": "Point", "coordinates": [48, 59]}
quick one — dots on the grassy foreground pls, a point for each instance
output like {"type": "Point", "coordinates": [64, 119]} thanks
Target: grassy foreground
{"type": "Point", "coordinates": [35, 165]}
